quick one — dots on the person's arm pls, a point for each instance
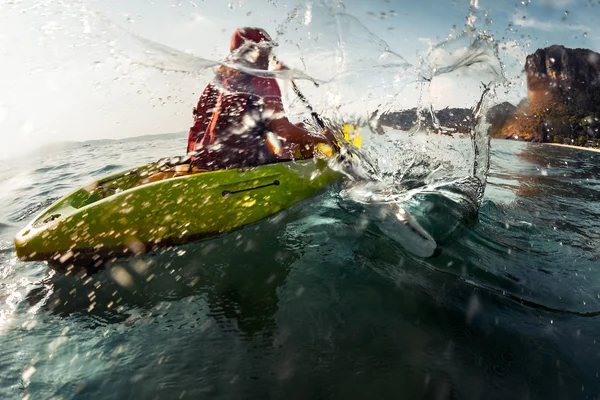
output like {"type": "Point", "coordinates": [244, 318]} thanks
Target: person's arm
{"type": "Point", "coordinates": [202, 113]}
{"type": "Point", "coordinates": [280, 125]}
{"type": "Point", "coordinates": [289, 132]}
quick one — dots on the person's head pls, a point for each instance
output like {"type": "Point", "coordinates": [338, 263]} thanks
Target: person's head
{"type": "Point", "coordinates": [253, 45]}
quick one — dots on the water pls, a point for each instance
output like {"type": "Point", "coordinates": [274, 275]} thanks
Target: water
{"type": "Point", "coordinates": [333, 298]}
{"type": "Point", "coordinates": [317, 302]}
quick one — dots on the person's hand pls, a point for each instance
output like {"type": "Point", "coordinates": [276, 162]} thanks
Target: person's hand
{"type": "Point", "coordinates": [279, 66]}
{"type": "Point", "coordinates": [330, 137]}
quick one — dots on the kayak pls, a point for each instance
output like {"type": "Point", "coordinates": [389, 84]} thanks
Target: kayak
{"type": "Point", "coordinates": [163, 204]}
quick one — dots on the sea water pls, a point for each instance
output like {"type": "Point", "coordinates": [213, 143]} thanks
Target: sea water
{"type": "Point", "coordinates": [447, 268]}
{"type": "Point", "coordinates": [317, 302]}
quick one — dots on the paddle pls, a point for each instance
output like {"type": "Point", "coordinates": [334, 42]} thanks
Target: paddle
{"type": "Point", "coordinates": [356, 141]}
{"type": "Point", "coordinates": [313, 113]}
{"type": "Point", "coordinates": [316, 117]}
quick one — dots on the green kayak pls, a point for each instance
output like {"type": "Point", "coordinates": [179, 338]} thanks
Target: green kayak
{"type": "Point", "coordinates": [163, 204]}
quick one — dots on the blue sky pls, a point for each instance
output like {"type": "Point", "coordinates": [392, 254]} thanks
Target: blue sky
{"type": "Point", "coordinates": [75, 70]}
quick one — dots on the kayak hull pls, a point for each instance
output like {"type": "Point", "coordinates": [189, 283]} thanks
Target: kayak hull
{"type": "Point", "coordinates": [128, 213]}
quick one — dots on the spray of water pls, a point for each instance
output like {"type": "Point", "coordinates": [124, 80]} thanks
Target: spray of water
{"type": "Point", "coordinates": [352, 75]}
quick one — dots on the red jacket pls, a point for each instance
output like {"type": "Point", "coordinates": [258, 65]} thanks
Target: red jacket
{"type": "Point", "coordinates": [229, 122]}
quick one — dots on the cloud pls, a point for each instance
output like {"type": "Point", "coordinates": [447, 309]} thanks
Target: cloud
{"type": "Point", "coordinates": [196, 17]}
{"type": "Point", "coordinates": [557, 3]}
{"type": "Point", "coordinates": [428, 41]}
{"type": "Point", "coordinates": [523, 20]}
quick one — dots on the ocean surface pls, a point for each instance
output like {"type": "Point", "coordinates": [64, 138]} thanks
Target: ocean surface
{"type": "Point", "coordinates": [316, 303]}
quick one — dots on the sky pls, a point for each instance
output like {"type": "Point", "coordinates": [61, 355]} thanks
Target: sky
{"type": "Point", "coordinates": [93, 69]}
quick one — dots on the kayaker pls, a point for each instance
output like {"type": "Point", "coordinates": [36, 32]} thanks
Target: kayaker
{"type": "Point", "coordinates": [238, 108]}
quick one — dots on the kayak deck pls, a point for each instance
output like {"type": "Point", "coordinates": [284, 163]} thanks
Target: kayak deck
{"type": "Point", "coordinates": [159, 205]}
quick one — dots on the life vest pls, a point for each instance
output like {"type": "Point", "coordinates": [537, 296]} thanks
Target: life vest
{"type": "Point", "coordinates": [229, 125]}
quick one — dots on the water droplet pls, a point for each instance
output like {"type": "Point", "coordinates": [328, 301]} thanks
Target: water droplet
{"type": "Point", "coordinates": [473, 307]}
{"type": "Point", "coordinates": [121, 276]}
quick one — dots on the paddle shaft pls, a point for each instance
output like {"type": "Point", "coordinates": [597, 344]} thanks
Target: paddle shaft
{"type": "Point", "coordinates": [313, 113]}
{"type": "Point", "coordinates": [318, 120]}
{"type": "Point", "coordinates": [303, 98]}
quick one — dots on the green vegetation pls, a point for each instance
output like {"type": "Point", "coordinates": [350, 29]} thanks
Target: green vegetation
{"type": "Point", "coordinates": [556, 139]}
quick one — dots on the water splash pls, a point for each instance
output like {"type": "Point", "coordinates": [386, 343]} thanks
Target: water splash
{"type": "Point", "coordinates": [420, 162]}
{"type": "Point", "coordinates": [353, 75]}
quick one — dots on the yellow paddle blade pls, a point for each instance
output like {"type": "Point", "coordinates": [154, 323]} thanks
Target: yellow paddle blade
{"type": "Point", "coordinates": [324, 149]}
{"type": "Point", "coordinates": [352, 135]}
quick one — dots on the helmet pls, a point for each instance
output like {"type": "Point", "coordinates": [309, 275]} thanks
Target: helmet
{"type": "Point", "coordinates": [244, 35]}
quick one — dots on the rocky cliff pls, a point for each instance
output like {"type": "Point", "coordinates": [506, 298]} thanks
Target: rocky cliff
{"type": "Point", "coordinates": [562, 105]}
{"type": "Point", "coordinates": [563, 98]}
{"type": "Point", "coordinates": [557, 73]}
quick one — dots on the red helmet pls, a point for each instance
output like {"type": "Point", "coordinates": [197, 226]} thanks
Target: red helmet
{"type": "Point", "coordinates": [256, 35]}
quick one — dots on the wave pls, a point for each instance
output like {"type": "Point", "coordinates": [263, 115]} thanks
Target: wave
{"type": "Point", "coordinates": [29, 211]}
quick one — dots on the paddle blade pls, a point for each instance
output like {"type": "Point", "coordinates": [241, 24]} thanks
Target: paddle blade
{"type": "Point", "coordinates": [352, 135]}
{"type": "Point", "coordinates": [324, 149]}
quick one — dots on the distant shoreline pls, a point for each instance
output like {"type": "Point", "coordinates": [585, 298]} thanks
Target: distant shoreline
{"type": "Point", "coordinates": [574, 147]}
